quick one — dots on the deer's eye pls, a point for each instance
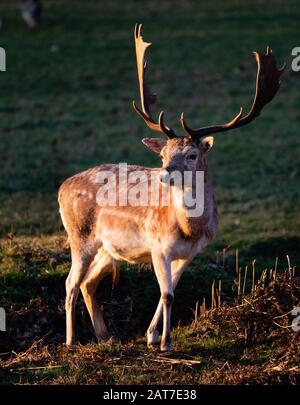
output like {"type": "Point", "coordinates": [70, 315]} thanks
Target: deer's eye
{"type": "Point", "coordinates": [193, 156]}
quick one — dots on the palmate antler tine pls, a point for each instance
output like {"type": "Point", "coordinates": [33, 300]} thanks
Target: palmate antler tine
{"type": "Point", "coordinates": [267, 85]}
{"type": "Point", "coordinates": [194, 133]}
{"type": "Point", "coordinates": [147, 97]}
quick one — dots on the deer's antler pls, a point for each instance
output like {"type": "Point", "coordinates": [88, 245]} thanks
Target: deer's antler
{"type": "Point", "coordinates": [267, 85]}
{"type": "Point", "coordinates": [147, 98]}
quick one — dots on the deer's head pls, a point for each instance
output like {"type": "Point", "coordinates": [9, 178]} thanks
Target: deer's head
{"type": "Point", "coordinates": [188, 152]}
{"type": "Point", "coordinates": [180, 154]}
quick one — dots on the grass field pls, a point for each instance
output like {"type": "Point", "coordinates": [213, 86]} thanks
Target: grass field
{"type": "Point", "coordinates": [65, 105]}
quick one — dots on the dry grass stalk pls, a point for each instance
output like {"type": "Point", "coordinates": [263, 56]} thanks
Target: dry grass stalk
{"type": "Point", "coordinates": [203, 307]}
{"type": "Point", "coordinates": [196, 311]}
{"type": "Point", "coordinates": [289, 264]}
{"type": "Point", "coordinates": [239, 283]}
{"type": "Point", "coordinates": [245, 281]}
{"type": "Point", "coordinates": [253, 276]}
{"type": "Point", "coordinates": [177, 361]}
{"type": "Point", "coordinates": [213, 295]}
{"type": "Point", "coordinates": [275, 268]}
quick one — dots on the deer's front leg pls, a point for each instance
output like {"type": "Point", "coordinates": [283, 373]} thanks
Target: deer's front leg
{"type": "Point", "coordinates": [162, 268]}
{"type": "Point", "coordinates": [177, 269]}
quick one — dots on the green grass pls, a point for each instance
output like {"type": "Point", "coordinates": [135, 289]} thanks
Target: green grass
{"type": "Point", "coordinates": [65, 105]}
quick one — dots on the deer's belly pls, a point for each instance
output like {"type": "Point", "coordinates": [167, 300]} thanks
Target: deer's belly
{"type": "Point", "coordinates": [135, 252]}
{"type": "Point", "coordinates": [128, 249]}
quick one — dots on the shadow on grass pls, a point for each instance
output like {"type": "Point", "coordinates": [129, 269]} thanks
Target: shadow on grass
{"type": "Point", "coordinates": [275, 247]}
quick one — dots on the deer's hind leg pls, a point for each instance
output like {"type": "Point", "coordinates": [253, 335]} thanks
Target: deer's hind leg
{"type": "Point", "coordinates": [102, 265]}
{"type": "Point", "coordinates": [81, 260]}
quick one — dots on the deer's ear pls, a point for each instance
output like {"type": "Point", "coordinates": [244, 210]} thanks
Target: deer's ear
{"type": "Point", "coordinates": [206, 143]}
{"type": "Point", "coordinates": [155, 144]}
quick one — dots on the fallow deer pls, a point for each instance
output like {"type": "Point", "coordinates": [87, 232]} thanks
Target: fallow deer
{"type": "Point", "coordinates": [102, 237]}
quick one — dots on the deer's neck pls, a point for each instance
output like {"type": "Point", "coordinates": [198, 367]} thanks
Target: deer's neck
{"type": "Point", "coordinates": [200, 219]}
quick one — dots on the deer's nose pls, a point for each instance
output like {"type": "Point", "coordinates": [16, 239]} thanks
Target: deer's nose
{"type": "Point", "coordinates": [164, 176]}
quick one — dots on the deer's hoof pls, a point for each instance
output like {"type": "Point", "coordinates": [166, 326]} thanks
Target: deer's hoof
{"type": "Point", "coordinates": [165, 347]}
{"type": "Point", "coordinates": [153, 340]}
{"type": "Point", "coordinates": [71, 347]}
